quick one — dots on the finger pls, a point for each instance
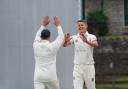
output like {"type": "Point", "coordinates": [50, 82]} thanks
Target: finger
{"type": "Point", "coordinates": [56, 19]}
{"type": "Point", "coordinates": [68, 34]}
{"type": "Point", "coordinates": [65, 35]}
{"type": "Point", "coordinates": [48, 21]}
{"type": "Point", "coordinates": [46, 17]}
{"type": "Point", "coordinates": [70, 38]}
{"type": "Point", "coordinates": [83, 35]}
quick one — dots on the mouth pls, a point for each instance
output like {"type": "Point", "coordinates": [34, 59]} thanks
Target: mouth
{"type": "Point", "coordinates": [80, 29]}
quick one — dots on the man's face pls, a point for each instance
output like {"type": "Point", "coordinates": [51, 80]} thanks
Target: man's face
{"type": "Point", "coordinates": [82, 27]}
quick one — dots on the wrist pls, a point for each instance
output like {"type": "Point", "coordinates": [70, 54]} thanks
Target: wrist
{"type": "Point", "coordinates": [58, 26]}
{"type": "Point", "coordinates": [44, 25]}
{"type": "Point", "coordinates": [88, 42]}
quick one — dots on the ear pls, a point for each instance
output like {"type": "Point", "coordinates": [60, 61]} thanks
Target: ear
{"type": "Point", "coordinates": [86, 25]}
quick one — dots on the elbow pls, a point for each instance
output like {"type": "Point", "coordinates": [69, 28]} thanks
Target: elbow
{"type": "Point", "coordinates": [96, 45]}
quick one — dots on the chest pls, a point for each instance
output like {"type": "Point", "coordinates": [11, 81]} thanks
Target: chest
{"type": "Point", "coordinates": [79, 44]}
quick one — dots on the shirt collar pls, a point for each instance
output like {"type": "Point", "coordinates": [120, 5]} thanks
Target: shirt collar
{"type": "Point", "coordinates": [46, 41]}
{"type": "Point", "coordinates": [84, 34]}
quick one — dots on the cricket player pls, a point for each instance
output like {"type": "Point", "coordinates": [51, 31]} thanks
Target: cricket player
{"type": "Point", "coordinates": [84, 42]}
{"type": "Point", "coordinates": [45, 56]}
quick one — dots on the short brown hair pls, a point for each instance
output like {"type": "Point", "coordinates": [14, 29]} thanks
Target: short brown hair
{"type": "Point", "coordinates": [85, 21]}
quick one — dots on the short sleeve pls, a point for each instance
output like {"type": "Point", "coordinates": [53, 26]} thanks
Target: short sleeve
{"type": "Point", "coordinates": [93, 38]}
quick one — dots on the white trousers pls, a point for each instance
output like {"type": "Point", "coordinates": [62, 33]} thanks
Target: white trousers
{"type": "Point", "coordinates": [84, 74]}
{"type": "Point", "coordinates": [47, 85]}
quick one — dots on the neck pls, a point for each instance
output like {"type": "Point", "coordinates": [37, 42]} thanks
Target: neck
{"type": "Point", "coordinates": [84, 32]}
{"type": "Point", "coordinates": [46, 39]}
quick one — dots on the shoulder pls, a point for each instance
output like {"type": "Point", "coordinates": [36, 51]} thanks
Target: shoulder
{"type": "Point", "coordinates": [92, 37]}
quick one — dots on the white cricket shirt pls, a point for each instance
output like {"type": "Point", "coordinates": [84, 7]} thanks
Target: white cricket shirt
{"type": "Point", "coordinates": [45, 56]}
{"type": "Point", "coordinates": [83, 51]}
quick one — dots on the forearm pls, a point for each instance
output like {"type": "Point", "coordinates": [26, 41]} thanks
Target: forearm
{"type": "Point", "coordinates": [93, 44]}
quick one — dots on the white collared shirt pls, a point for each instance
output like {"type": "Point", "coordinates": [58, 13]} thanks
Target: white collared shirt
{"type": "Point", "coordinates": [83, 51]}
{"type": "Point", "coordinates": [45, 56]}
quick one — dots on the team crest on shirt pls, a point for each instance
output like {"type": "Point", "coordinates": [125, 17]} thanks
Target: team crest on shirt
{"type": "Point", "coordinates": [76, 40]}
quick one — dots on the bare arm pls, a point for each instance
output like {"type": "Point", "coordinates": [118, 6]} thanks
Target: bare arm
{"type": "Point", "coordinates": [92, 43]}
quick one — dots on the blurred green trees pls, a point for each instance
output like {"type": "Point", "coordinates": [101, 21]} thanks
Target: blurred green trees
{"type": "Point", "coordinates": [98, 22]}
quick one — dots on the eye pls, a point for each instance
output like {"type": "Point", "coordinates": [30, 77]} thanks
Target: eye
{"type": "Point", "coordinates": [81, 24]}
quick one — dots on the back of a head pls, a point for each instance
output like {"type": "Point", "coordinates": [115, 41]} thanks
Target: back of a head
{"type": "Point", "coordinates": [45, 34]}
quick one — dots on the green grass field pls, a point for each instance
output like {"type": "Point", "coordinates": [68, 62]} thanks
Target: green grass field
{"type": "Point", "coordinates": [122, 78]}
{"type": "Point", "coordinates": [117, 86]}
{"type": "Point", "coordinates": [109, 86]}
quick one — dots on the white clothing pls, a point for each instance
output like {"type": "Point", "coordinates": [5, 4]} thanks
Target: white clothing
{"type": "Point", "coordinates": [84, 73]}
{"type": "Point", "coordinates": [84, 70]}
{"type": "Point", "coordinates": [83, 51]}
{"type": "Point", "coordinates": [45, 58]}
{"type": "Point", "coordinates": [47, 85]}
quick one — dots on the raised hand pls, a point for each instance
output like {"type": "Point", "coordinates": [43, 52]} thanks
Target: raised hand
{"type": "Point", "coordinates": [67, 37]}
{"type": "Point", "coordinates": [45, 20]}
{"type": "Point", "coordinates": [83, 37]}
{"type": "Point", "coordinates": [56, 21]}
